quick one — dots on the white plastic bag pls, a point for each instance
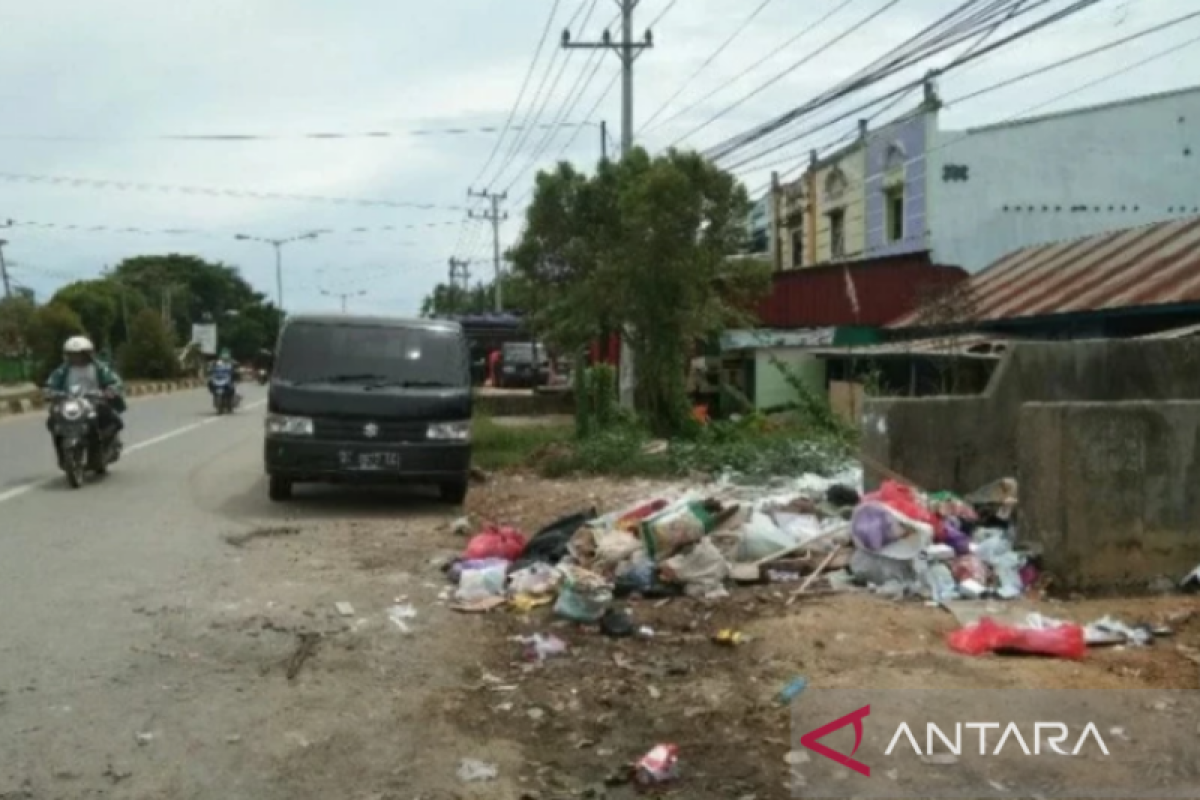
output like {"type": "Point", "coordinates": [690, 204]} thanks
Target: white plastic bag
{"type": "Point", "coordinates": [762, 538]}
{"type": "Point", "coordinates": [481, 584]}
{"type": "Point", "coordinates": [702, 570]}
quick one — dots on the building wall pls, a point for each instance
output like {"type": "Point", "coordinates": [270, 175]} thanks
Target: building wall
{"type": "Point", "coordinates": [996, 189]}
{"type": "Point", "coordinates": [895, 156]}
{"type": "Point", "coordinates": [771, 385]}
{"type": "Point", "coordinates": [852, 164]}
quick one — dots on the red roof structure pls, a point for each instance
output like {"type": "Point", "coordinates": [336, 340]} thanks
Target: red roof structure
{"type": "Point", "coordinates": [1152, 265]}
{"type": "Point", "coordinates": [824, 296]}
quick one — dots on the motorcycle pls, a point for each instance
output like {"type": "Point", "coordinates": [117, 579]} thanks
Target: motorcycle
{"type": "Point", "coordinates": [263, 376]}
{"type": "Point", "coordinates": [82, 446]}
{"type": "Point", "coordinates": [223, 392]}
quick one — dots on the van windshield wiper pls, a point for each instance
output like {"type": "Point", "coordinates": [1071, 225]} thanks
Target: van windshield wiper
{"type": "Point", "coordinates": [345, 378]}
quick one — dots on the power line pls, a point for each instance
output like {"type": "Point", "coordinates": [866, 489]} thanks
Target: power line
{"type": "Point", "coordinates": [520, 141]}
{"type": "Point", "coordinates": [537, 53]}
{"type": "Point", "coordinates": [795, 114]}
{"type": "Point", "coordinates": [804, 32]}
{"type": "Point", "coordinates": [707, 62]}
{"type": "Point", "coordinates": [1077, 57]}
{"type": "Point", "coordinates": [73, 227]}
{"type": "Point", "coordinates": [515, 145]}
{"type": "Point", "coordinates": [236, 138]}
{"type": "Point", "coordinates": [134, 186]}
{"type": "Point", "coordinates": [888, 4]}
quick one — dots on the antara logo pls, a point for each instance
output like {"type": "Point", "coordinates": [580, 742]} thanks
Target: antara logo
{"type": "Point", "coordinates": [1054, 733]}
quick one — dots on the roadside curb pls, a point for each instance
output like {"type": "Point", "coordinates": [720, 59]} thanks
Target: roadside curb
{"type": "Point", "coordinates": [32, 402]}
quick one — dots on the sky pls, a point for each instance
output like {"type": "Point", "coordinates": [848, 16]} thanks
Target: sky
{"type": "Point", "coordinates": [88, 91]}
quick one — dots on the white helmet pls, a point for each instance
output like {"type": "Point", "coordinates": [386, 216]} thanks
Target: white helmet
{"type": "Point", "coordinates": [78, 344]}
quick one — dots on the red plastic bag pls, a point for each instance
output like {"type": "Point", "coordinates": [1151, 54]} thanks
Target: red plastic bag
{"type": "Point", "coordinates": [495, 542]}
{"type": "Point", "coordinates": [904, 501]}
{"type": "Point", "coordinates": [989, 636]}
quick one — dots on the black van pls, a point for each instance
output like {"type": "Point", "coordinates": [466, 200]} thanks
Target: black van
{"type": "Point", "coordinates": [369, 400]}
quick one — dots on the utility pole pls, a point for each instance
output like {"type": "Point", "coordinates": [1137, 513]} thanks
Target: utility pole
{"type": "Point", "coordinates": [627, 50]}
{"type": "Point", "coordinates": [344, 296]}
{"type": "Point", "coordinates": [495, 216]}
{"type": "Point", "coordinates": [460, 269]}
{"type": "Point", "coordinates": [603, 140]}
{"type": "Point", "coordinates": [278, 245]}
{"type": "Point", "coordinates": [4, 271]}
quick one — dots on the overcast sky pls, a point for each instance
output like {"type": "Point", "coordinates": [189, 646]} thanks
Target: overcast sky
{"type": "Point", "coordinates": [86, 87]}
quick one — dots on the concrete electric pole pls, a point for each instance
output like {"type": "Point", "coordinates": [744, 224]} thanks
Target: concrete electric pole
{"type": "Point", "coordinates": [627, 50]}
{"type": "Point", "coordinates": [4, 270]}
{"type": "Point", "coordinates": [495, 216]}
{"type": "Point", "coordinates": [460, 273]}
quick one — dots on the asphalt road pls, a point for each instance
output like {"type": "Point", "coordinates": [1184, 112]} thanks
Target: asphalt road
{"type": "Point", "coordinates": [75, 563]}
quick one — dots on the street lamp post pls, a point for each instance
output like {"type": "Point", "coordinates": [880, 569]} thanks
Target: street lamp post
{"type": "Point", "coordinates": [278, 245]}
{"type": "Point", "coordinates": [344, 296]}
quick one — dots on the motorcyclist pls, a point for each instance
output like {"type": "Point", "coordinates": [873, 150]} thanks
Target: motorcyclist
{"type": "Point", "coordinates": [223, 368]}
{"type": "Point", "coordinates": [83, 371]}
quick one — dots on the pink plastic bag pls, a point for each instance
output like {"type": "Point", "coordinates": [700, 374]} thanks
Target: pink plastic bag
{"type": "Point", "coordinates": [989, 636]}
{"type": "Point", "coordinates": [496, 542]}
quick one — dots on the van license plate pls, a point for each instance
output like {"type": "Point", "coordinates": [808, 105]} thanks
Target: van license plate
{"type": "Point", "coordinates": [370, 462]}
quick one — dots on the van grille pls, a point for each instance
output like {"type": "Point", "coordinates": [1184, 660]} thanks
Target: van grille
{"type": "Point", "coordinates": [353, 430]}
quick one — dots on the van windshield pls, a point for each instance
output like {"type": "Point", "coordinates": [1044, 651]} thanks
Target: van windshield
{"type": "Point", "coordinates": [372, 354]}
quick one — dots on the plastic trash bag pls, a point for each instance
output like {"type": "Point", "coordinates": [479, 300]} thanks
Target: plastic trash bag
{"type": "Point", "coordinates": [988, 636]}
{"type": "Point", "coordinates": [481, 584]}
{"type": "Point", "coordinates": [876, 570]}
{"type": "Point", "coordinates": [534, 580]}
{"type": "Point", "coordinates": [584, 596]}
{"type": "Point", "coordinates": [496, 542]}
{"type": "Point", "coordinates": [762, 538]}
{"type": "Point", "coordinates": [669, 531]}
{"type": "Point", "coordinates": [703, 570]}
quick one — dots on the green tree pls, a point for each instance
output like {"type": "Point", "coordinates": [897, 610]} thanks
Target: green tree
{"type": "Point", "coordinates": [52, 325]}
{"type": "Point", "coordinates": [98, 304]}
{"type": "Point", "coordinates": [196, 290]}
{"type": "Point", "coordinates": [16, 324]}
{"type": "Point", "coordinates": [447, 300]}
{"type": "Point", "coordinates": [641, 246]}
{"type": "Point", "coordinates": [150, 351]}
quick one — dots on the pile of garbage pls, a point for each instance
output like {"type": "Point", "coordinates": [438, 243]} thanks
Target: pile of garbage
{"type": "Point", "coordinates": [939, 546]}
{"type": "Point", "coordinates": [818, 532]}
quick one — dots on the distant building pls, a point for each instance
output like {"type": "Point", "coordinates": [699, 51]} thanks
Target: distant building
{"type": "Point", "coordinates": [967, 198]}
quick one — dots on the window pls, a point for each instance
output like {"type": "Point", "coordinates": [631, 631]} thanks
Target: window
{"type": "Point", "coordinates": [837, 233]}
{"type": "Point", "coordinates": [316, 352]}
{"type": "Point", "coordinates": [797, 248]}
{"type": "Point", "coordinates": [893, 211]}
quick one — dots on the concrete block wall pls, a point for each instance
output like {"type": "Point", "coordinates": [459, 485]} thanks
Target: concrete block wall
{"type": "Point", "coordinates": [961, 443]}
{"type": "Point", "coordinates": [1111, 490]}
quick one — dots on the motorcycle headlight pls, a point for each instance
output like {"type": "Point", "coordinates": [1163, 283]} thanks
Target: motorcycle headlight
{"type": "Point", "coordinates": [450, 431]}
{"type": "Point", "coordinates": [72, 410]}
{"type": "Point", "coordinates": [289, 426]}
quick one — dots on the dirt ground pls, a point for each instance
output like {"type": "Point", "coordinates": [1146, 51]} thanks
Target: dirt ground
{"type": "Point", "coordinates": [386, 710]}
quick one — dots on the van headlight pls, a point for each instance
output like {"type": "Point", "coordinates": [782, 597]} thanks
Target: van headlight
{"type": "Point", "coordinates": [289, 426]}
{"type": "Point", "coordinates": [450, 431]}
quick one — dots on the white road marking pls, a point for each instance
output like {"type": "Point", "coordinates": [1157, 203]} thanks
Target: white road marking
{"type": "Point", "coordinates": [25, 488]}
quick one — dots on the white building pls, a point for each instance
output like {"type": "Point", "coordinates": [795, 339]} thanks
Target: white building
{"type": "Point", "coordinates": [998, 188]}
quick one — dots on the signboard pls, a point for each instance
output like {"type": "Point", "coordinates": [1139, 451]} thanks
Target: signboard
{"type": "Point", "coordinates": [205, 336]}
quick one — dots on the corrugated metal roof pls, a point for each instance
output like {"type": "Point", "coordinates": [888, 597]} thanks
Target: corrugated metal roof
{"type": "Point", "coordinates": [1150, 265]}
{"type": "Point", "coordinates": [967, 346]}
{"type": "Point", "coordinates": [1174, 333]}
{"type": "Point", "coordinates": [885, 288]}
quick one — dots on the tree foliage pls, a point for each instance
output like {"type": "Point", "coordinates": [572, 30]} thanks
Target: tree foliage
{"type": "Point", "coordinates": [449, 300]}
{"type": "Point", "coordinates": [98, 306]}
{"type": "Point", "coordinates": [642, 246]}
{"type": "Point", "coordinates": [50, 327]}
{"type": "Point", "coordinates": [150, 351]}
{"type": "Point", "coordinates": [16, 321]}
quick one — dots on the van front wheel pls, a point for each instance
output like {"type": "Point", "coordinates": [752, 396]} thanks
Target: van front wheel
{"type": "Point", "coordinates": [280, 489]}
{"type": "Point", "coordinates": [454, 492]}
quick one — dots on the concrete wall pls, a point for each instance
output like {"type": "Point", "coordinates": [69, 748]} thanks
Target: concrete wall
{"type": "Point", "coordinates": [896, 156]}
{"type": "Point", "coordinates": [961, 443]}
{"type": "Point", "coordinates": [1111, 490]}
{"type": "Point", "coordinates": [996, 189]}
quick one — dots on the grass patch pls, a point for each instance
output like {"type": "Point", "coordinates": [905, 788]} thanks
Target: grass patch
{"type": "Point", "coordinates": [496, 446]}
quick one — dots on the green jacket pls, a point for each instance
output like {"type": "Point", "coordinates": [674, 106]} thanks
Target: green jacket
{"type": "Point", "coordinates": [107, 376]}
